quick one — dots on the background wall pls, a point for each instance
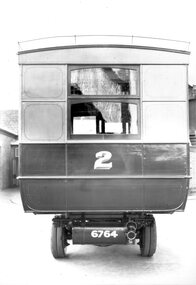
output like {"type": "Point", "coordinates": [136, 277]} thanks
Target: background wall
{"type": "Point", "coordinates": [6, 161]}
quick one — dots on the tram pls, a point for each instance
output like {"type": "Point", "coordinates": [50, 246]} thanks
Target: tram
{"type": "Point", "coordinates": [104, 141]}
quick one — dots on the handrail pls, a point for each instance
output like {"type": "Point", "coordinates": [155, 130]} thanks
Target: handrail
{"type": "Point", "coordinates": [63, 40]}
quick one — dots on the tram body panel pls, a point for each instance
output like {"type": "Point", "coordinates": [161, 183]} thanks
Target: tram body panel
{"type": "Point", "coordinates": [144, 167]}
{"type": "Point", "coordinates": [105, 195]}
{"type": "Point", "coordinates": [147, 177]}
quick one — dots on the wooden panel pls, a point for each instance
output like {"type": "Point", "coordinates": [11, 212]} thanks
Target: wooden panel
{"type": "Point", "coordinates": [43, 195]}
{"type": "Point", "coordinates": [85, 159]}
{"type": "Point", "coordinates": [103, 195]}
{"type": "Point", "coordinates": [126, 194]}
{"type": "Point", "coordinates": [43, 82]}
{"type": "Point", "coordinates": [43, 122]}
{"type": "Point", "coordinates": [165, 122]}
{"type": "Point", "coordinates": [164, 82]}
{"type": "Point", "coordinates": [43, 159]}
{"type": "Point", "coordinates": [156, 185]}
{"type": "Point", "coordinates": [165, 159]}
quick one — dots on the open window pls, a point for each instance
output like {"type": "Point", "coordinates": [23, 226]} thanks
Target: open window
{"type": "Point", "coordinates": [104, 102]}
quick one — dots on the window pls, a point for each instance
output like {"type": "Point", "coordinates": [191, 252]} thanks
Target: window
{"type": "Point", "coordinates": [104, 102]}
{"type": "Point", "coordinates": [104, 81]}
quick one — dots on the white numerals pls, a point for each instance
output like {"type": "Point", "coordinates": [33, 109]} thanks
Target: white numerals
{"type": "Point", "coordinates": [102, 160]}
{"type": "Point", "coordinates": [101, 233]}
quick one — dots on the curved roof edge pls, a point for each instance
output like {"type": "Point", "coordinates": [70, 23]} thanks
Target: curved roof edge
{"type": "Point", "coordinates": [103, 46]}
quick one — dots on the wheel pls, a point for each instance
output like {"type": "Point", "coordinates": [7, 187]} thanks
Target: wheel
{"type": "Point", "coordinates": [148, 240]}
{"type": "Point", "coordinates": [58, 242]}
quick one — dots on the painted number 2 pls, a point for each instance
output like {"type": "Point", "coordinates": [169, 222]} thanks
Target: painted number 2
{"type": "Point", "coordinates": [102, 160]}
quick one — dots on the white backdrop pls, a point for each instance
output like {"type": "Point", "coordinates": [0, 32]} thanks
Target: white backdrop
{"type": "Point", "coordinates": [27, 19]}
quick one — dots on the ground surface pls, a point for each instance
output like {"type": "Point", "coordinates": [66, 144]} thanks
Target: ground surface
{"type": "Point", "coordinates": [25, 256]}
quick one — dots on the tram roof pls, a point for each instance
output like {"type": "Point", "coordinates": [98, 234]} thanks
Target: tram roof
{"type": "Point", "coordinates": [103, 46]}
{"type": "Point", "coordinates": [83, 41]}
{"type": "Point", "coordinates": [73, 45]}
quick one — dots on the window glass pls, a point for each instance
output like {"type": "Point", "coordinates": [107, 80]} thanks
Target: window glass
{"type": "Point", "coordinates": [104, 81]}
{"type": "Point", "coordinates": [104, 118]}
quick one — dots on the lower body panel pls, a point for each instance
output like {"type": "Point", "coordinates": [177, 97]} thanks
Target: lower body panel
{"type": "Point", "coordinates": [92, 195]}
{"type": "Point", "coordinates": [104, 177]}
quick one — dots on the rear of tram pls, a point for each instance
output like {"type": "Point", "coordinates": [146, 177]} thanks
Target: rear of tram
{"type": "Point", "coordinates": [104, 141]}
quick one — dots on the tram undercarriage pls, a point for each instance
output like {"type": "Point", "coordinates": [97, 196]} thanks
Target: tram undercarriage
{"type": "Point", "coordinates": [104, 231]}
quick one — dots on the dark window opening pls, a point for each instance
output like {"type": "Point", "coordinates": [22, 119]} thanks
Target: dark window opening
{"type": "Point", "coordinates": [104, 118]}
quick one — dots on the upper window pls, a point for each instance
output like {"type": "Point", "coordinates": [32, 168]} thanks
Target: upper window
{"type": "Point", "coordinates": [104, 102]}
{"type": "Point", "coordinates": [104, 81]}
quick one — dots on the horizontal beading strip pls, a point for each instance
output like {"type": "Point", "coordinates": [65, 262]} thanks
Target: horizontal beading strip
{"type": "Point", "coordinates": [107, 177]}
{"type": "Point", "coordinates": [93, 141]}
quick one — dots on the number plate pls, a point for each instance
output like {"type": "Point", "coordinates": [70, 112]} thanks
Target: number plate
{"type": "Point", "coordinates": [102, 235]}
